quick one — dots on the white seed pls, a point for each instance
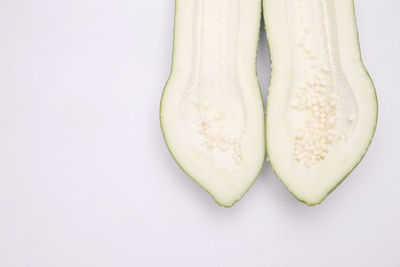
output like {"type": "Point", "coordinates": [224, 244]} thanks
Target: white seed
{"type": "Point", "coordinates": [351, 117]}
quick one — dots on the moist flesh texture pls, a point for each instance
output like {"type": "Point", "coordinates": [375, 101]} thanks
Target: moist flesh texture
{"type": "Point", "coordinates": [211, 110]}
{"type": "Point", "coordinates": [324, 111]}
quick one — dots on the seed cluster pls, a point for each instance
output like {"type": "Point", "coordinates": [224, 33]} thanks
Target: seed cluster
{"type": "Point", "coordinates": [316, 99]}
{"type": "Point", "coordinates": [215, 136]}
{"type": "Point", "coordinates": [319, 134]}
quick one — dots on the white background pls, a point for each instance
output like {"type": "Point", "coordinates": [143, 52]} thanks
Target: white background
{"type": "Point", "coordinates": [86, 179]}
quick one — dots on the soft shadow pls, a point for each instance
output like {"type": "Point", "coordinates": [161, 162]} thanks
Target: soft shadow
{"type": "Point", "coordinates": [263, 62]}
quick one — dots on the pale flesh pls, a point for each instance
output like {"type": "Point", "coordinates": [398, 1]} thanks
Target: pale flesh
{"type": "Point", "coordinates": [321, 110]}
{"type": "Point", "coordinates": [211, 110]}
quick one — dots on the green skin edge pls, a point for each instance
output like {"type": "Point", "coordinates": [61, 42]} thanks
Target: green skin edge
{"type": "Point", "coordinates": [162, 128]}
{"type": "Point", "coordinates": [362, 156]}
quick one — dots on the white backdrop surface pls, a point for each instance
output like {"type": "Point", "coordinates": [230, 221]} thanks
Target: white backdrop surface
{"type": "Point", "coordinates": [86, 179]}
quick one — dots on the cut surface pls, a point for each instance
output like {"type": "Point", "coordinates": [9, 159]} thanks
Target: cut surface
{"type": "Point", "coordinates": [322, 108]}
{"type": "Point", "coordinates": [211, 109]}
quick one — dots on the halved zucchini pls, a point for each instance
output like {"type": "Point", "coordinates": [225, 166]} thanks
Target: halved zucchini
{"type": "Point", "coordinates": [322, 106]}
{"type": "Point", "coordinates": [211, 110]}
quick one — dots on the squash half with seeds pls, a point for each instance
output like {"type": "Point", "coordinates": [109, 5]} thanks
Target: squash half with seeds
{"type": "Point", "coordinates": [322, 106]}
{"type": "Point", "coordinates": [211, 111]}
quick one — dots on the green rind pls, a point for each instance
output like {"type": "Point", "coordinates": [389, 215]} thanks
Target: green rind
{"type": "Point", "coordinates": [162, 128]}
{"type": "Point", "coordinates": [361, 157]}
